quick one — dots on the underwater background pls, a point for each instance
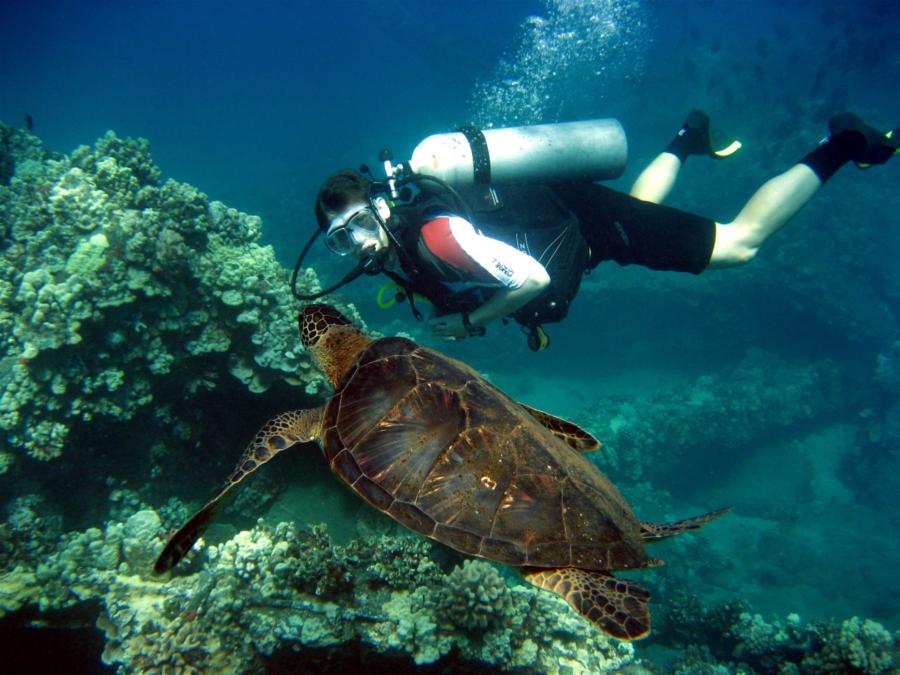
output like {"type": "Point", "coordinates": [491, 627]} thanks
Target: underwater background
{"type": "Point", "coordinates": [153, 204]}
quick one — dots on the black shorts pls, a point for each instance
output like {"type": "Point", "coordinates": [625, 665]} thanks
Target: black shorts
{"type": "Point", "coordinates": [629, 231]}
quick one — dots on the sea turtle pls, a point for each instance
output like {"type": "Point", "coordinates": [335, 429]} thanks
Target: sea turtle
{"type": "Point", "coordinates": [427, 440]}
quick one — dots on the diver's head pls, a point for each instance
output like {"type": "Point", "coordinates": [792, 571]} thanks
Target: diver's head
{"type": "Point", "coordinates": [354, 223]}
{"type": "Point", "coordinates": [359, 230]}
{"type": "Point", "coordinates": [339, 191]}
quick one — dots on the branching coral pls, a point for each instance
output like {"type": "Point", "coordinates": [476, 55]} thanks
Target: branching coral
{"type": "Point", "coordinates": [476, 597]}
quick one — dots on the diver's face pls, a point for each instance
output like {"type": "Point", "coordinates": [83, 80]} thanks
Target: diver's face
{"type": "Point", "coordinates": [357, 230]}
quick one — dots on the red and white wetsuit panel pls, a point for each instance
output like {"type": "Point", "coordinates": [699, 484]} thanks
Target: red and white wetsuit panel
{"type": "Point", "coordinates": [456, 242]}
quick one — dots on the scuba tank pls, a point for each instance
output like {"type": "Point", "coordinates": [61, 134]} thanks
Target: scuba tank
{"type": "Point", "coordinates": [470, 158]}
{"type": "Point", "coordinates": [586, 150]}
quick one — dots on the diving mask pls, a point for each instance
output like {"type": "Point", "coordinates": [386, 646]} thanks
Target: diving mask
{"type": "Point", "coordinates": [353, 228]}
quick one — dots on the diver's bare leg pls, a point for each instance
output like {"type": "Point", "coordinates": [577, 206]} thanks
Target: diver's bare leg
{"type": "Point", "coordinates": [774, 204]}
{"type": "Point", "coordinates": [656, 181]}
{"type": "Point", "coordinates": [770, 207]}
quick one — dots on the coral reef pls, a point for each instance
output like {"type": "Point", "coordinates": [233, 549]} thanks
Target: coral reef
{"type": "Point", "coordinates": [883, 420]}
{"type": "Point", "coordinates": [879, 433]}
{"type": "Point", "coordinates": [739, 640]}
{"type": "Point", "coordinates": [725, 411]}
{"type": "Point", "coordinates": [477, 595]}
{"type": "Point", "coordinates": [115, 285]}
{"type": "Point", "coordinates": [266, 588]}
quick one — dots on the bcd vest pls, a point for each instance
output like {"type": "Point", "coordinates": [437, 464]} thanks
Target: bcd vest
{"type": "Point", "coordinates": [528, 216]}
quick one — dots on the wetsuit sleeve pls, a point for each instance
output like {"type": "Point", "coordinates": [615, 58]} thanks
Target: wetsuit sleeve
{"type": "Point", "coordinates": [456, 242]}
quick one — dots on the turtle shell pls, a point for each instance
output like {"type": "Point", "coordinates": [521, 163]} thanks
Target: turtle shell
{"type": "Point", "coordinates": [430, 442]}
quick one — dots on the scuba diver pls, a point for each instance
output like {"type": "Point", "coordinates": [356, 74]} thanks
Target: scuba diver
{"type": "Point", "coordinates": [496, 249]}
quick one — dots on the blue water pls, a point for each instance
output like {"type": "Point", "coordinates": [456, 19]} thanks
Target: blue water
{"type": "Point", "coordinates": [253, 103]}
{"type": "Point", "coordinates": [256, 103]}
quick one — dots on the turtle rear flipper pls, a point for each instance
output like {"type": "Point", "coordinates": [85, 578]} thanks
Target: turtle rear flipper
{"type": "Point", "coordinates": [569, 432]}
{"type": "Point", "coordinates": [656, 531]}
{"type": "Point", "coordinates": [616, 606]}
{"type": "Point", "coordinates": [280, 433]}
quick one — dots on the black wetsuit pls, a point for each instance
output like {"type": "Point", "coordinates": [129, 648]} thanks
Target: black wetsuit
{"type": "Point", "coordinates": [569, 228]}
{"type": "Point", "coordinates": [630, 231]}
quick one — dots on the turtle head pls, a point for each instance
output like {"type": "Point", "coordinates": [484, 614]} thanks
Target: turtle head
{"type": "Point", "coordinates": [332, 339]}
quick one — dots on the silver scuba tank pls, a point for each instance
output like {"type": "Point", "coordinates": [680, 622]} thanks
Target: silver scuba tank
{"type": "Point", "coordinates": [586, 150]}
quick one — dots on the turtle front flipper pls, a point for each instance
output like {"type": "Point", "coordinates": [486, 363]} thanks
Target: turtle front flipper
{"type": "Point", "coordinates": [278, 434]}
{"type": "Point", "coordinates": [655, 531]}
{"type": "Point", "coordinates": [572, 434]}
{"type": "Point", "coordinates": [616, 606]}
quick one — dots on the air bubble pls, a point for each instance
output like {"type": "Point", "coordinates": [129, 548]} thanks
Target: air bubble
{"type": "Point", "coordinates": [559, 55]}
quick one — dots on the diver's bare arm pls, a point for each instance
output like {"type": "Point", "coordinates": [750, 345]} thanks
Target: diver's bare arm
{"type": "Point", "coordinates": [508, 300]}
{"type": "Point", "coordinates": [502, 303]}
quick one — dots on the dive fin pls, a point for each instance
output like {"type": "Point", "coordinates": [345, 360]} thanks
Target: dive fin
{"type": "Point", "coordinates": [879, 146]}
{"type": "Point", "coordinates": [696, 137]}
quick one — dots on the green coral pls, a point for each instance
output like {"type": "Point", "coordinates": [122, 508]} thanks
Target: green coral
{"type": "Point", "coordinates": [412, 627]}
{"type": "Point", "coordinates": [758, 641]}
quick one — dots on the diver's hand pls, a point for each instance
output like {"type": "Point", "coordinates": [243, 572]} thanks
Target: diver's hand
{"type": "Point", "coordinates": [449, 327]}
